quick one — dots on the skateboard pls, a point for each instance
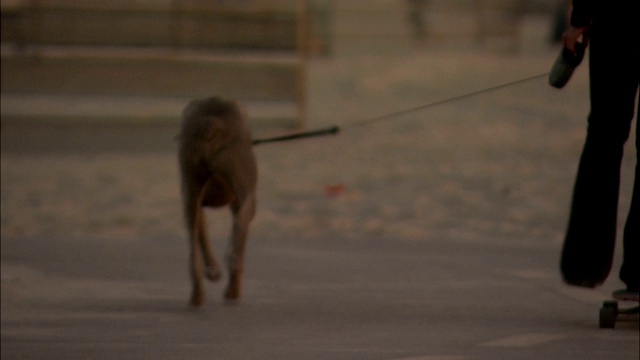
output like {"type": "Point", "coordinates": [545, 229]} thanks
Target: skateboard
{"type": "Point", "coordinates": [610, 311]}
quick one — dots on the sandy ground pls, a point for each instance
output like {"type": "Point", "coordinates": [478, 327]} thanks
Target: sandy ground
{"type": "Point", "coordinates": [468, 185]}
{"type": "Point", "coordinates": [500, 164]}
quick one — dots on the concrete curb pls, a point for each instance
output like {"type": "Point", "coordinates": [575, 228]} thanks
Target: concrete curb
{"type": "Point", "coordinates": [140, 110]}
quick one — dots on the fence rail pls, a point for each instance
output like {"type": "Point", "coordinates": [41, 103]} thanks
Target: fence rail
{"type": "Point", "coordinates": [124, 47]}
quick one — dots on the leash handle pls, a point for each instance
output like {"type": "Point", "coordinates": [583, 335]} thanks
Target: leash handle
{"type": "Point", "coordinates": [332, 130]}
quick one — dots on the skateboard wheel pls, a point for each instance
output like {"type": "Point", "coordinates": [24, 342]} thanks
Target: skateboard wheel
{"type": "Point", "coordinates": [610, 304]}
{"type": "Point", "coordinates": [608, 314]}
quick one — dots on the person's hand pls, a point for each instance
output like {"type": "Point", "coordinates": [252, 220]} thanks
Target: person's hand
{"type": "Point", "coordinates": [572, 35]}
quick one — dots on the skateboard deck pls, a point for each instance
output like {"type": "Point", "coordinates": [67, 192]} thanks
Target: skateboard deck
{"type": "Point", "coordinates": [626, 296]}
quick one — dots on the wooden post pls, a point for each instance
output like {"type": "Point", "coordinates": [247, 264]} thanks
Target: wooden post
{"type": "Point", "coordinates": [302, 45]}
{"type": "Point", "coordinates": [35, 24]}
{"type": "Point", "coordinates": [176, 29]}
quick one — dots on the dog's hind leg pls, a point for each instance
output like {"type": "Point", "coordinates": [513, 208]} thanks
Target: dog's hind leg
{"type": "Point", "coordinates": [198, 245]}
{"type": "Point", "coordinates": [212, 269]}
{"type": "Point", "coordinates": [215, 194]}
{"type": "Point", "coordinates": [243, 212]}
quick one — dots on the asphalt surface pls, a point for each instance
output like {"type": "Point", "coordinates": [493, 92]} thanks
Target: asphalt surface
{"type": "Point", "coordinates": [311, 298]}
{"type": "Point", "coordinates": [458, 294]}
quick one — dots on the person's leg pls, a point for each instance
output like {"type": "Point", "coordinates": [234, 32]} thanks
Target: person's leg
{"type": "Point", "coordinates": [629, 272]}
{"type": "Point", "coordinates": [591, 233]}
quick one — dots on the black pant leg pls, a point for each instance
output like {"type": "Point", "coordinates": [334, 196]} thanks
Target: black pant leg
{"type": "Point", "coordinates": [630, 272]}
{"type": "Point", "coordinates": [591, 233]}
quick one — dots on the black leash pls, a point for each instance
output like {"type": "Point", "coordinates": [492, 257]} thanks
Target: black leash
{"type": "Point", "coordinates": [335, 129]}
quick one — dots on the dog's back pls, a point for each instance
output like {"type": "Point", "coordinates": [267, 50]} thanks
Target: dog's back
{"type": "Point", "coordinates": [213, 123]}
{"type": "Point", "coordinates": [215, 141]}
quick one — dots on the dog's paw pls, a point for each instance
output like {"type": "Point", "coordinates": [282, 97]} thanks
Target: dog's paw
{"type": "Point", "coordinates": [197, 299]}
{"type": "Point", "coordinates": [232, 295]}
{"type": "Point", "coordinates": [213, 273]}
{"type": "Point", "coordinates": [231, 302]}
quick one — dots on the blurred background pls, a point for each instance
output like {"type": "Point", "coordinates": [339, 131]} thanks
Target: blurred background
{"type": "Point", "coordinates": [95, 77]}
{"type": "Point", "coordinates": [255, 50]}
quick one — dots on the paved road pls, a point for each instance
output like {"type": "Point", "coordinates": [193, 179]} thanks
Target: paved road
{"type": "Point", "coordinates": [313, 299]}
{"type": "Point", "coordinates": [454, 295]}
